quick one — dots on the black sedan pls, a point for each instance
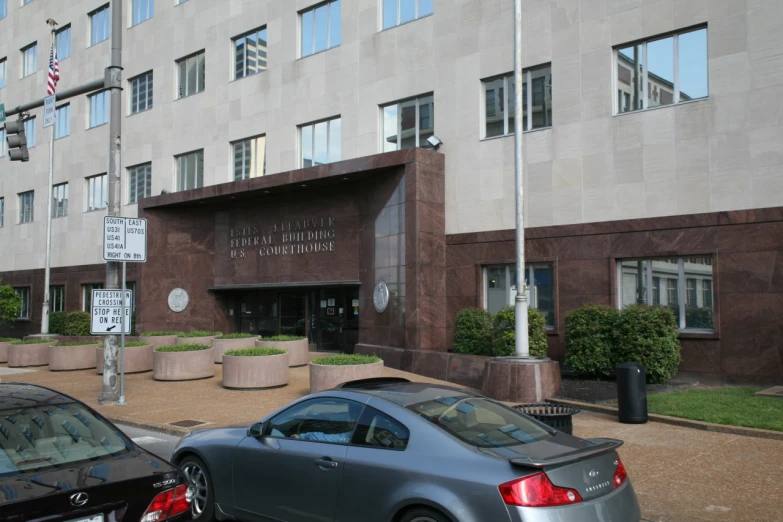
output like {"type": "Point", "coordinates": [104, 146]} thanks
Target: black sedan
{"type": "Point", "coordinates": [62, 461]}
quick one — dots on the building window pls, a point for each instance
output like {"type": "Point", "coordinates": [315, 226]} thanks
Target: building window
{"type": "Point", "coordinates": [131, 285]}
{"type": "Point", "coordinates": [2, 211]}
{"type": "Point", "coordinates": [3, 72]}
{"type": "Point", "coordinates": [499, 102]}
{"type": "Point", "coordinates": [408, 123]}
{"type": "Point", "coordinates": [62, 122]}
{"type": "Point", "coordinates": [249, 158]}
{"type": "Point", "coordinates": [97, 192]}
{"type": "Point", "coordinates": [139, 182]}
{"type": "Point", "coordinates": [24, 293]}
{"type": "Point", "coordinates": [87, 295]}
{"type": "Point", "coordinates": [500, 288]}
{"type": "Point", "coordinates": [60, 200]}
{"type": "Point", "coordinates": [29, 132]}
{"type": "Point", "coordinates": [687, 282]}
{"type": "Point", "coordinates": [3, 9]}
{"type": "Point", "coordinates": [191, 71]}
{"type": "Point", "coordinates": [321, 142]}
{"type": "Point", "coordinates": [100, 25]}
{"type": "Point", "coordinates": [99, 109]}
{"type": "Point", "coordinates": [321, 28]}
{"type": "Point", "coordinates": [26, 206]}
{"type": "Point", "coordinates": [57, 298]}
{"type": "Point", "coordinates": [63, 37]}
{"type": "Point", "coordinates": [250, 53]}
{"type": "Point", "coordinates": [29, 59]}
{"type": "Point", "coordinates": [2, 142]}
{"type": "Point", "coordinates": [141, 10]}
{"type": "Point", "coordinates": [396, 12]}
{"type": "Point", "coordinates": [190, 170]}
{"type": "Point", "coordinates": [140, 93]}
{"type": "Point", "coordinates": [25, 2]}
{"type": "Point", "coordinates": [662, 71]}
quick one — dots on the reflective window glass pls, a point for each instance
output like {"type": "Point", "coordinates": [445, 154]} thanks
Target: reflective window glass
{"type": "Point", "coordinates": [377, 430]}
{"type": "Point", "coordinates": [321, 28]}
{"type": "Point", "coordinates": [317, 420]}
{"type": "Point", "coordinates": [693, 65]}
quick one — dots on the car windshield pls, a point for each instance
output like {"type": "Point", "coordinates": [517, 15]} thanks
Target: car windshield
{"type": "Point", "coordinates": [52, 435]}
{"type": "Point", "coordinates": [480, 422]}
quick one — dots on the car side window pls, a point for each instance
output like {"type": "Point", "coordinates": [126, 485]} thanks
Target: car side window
{"type": "Point", "coordinates": [319, 420]}
{"type": "Point", "coordinates": [378, 430]}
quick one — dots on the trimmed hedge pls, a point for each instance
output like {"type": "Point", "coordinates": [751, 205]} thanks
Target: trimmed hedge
{"type": "Point", "coordinates": [8, 339]}
{"type": "Point", "coordinates": [283, 338]}
{"type": "Point", "coordinates": [183, 348]}
{"type": "Point", "coordinates": [589, 339]}
{"type": "Point", "coordinates": [236, 336]}
{"type": "Point", "coordinates": [254, 352]}
{"type": "Point", "coordinates": [70, 324]}
{"type": "Point", "coordinates": [198, 333]}
{"type": "Point", "coordinates": [77, 343]}
{"type": "Point", "coordinates": [160, 334]}
{"type": "Point", "coordinates": [649, 335]}
{"type": "Point", "coordinates": [345, 359]}
{"type": "Point", "coordinates": [473, 332]}
{"type": "Point", "coordinates": [33, 341]}
{"type": "Point", "coordinates": [479, 332]}
{"type": "Point", "coordinates": [133, 344]}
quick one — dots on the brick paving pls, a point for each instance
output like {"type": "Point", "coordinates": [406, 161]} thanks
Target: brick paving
{"type": "Point", "coordinates": [680, 474]}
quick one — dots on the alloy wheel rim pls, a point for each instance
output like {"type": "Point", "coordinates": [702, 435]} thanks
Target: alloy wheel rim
{"type": "Point", "coordinates": [198, 481]}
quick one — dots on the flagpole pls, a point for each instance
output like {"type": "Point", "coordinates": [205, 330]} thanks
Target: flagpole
{"type": "Point", "coordinates": [47, 269]}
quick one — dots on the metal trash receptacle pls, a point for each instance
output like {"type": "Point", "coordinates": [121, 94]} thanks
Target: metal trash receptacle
{"type": "Point", "coordinates": [631, 393]}
{"type": "Point", "coordinates": [557, 416]}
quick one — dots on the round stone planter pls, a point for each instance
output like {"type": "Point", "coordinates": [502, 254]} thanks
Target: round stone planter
{"type": "Point", "coordinates": [158, 340]}
{"type": "Point", "coordinates": [4, 351]}
{"type": "Point", "coordinates": [137, 359]}
{"type": "Point", "coordinates": [183, 366]}
{"type": "Point", "coordinates": [298, 351]}
{"type": "Point", "coordinates": [262, 371]}
{"type": "Point", "coordinates": [323, 377]}
{"type": "Point", "coordinates": [21, 355]}
{"type": "Point", "coordinates": [62, 358]}
{"type": "Point", "coordinates": [207, 341]}
{"type": "Point", "coordinates": [221, 346]}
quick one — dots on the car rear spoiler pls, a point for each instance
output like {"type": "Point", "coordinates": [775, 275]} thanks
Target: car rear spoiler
{"type": "Point", "coordinates": [599, 447]}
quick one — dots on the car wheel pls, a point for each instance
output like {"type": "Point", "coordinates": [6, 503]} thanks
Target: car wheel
{"type": "Point", "coordinates": [423, 515]}
{"type": "Point", "coordinates": [203, 504]}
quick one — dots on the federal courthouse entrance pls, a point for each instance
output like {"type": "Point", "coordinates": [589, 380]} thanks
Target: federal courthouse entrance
{"type": "Point", "coordinates": [328, 317]}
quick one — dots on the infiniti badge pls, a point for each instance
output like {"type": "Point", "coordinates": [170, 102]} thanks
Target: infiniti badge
{"type": "Point", "coordinates": [593, 473]}
{"type": "Point", "coordinates": [79, 499]}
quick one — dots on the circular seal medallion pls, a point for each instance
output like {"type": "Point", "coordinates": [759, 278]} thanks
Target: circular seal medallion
{"type": "Point", "coordinates": [178, 300]}
{"type": "Point", "coordinates": [380, 297]}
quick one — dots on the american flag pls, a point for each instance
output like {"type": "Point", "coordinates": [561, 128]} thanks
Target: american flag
{"type": "Point", "coordinates": [54, 73]}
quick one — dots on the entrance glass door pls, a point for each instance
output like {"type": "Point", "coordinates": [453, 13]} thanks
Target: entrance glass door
{"type": "Point", "coordinates": [338, 320]}
{"type": "Point", "coordinates": [293, 314]}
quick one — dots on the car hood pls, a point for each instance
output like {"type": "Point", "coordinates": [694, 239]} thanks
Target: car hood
{"type": "Point", "coordinates": [79, 475]}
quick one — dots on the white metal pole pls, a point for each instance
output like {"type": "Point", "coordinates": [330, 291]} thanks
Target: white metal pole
{"type": "Point", "coordinates": [122, 336]}
{"type": "Point", "coordinates": [48, 262]}
{"type": "Point", "coordinates": [522, 347]}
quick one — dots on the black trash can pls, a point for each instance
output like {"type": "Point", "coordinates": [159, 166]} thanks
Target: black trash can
{"type": "Point", "coordinates": [557, 416]}
{"type": "Point", "coordinates": [631, 393]}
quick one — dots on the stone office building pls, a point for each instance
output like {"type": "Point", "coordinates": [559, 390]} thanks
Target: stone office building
{"type": "Point", "coordinates": [275, 148]}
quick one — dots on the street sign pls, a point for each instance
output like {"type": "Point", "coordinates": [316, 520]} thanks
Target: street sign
{"type": "Point", "coordinates": [124, 239]}
{"type": "Point", "coordinates": [50, 103]}
{"type": "Point", "coordinates": [2, 112]}
{"type": "Point", "coordinates": [106, 316]}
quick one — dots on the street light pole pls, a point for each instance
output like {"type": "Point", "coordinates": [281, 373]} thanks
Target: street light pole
{"type": "Point", "coordinates": [110, 393]}
{"type": "Point", "coordinates": [522, 345]}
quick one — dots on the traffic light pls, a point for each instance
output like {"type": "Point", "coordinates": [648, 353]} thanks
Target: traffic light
{"type": "Point", "coordinates": [17, 141]}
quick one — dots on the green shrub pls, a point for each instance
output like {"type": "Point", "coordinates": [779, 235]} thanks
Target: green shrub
{"type": "Point", "coordinates": [473, 332]}
{"type": "Point", "coordinates": [33, 341]}
{"type": "Point", "coordinates": [161, 334]}
{"type": "Point", "coordinates": [183, 348]}
{"type": "Point", "coordinates": [57, 321]}
{"type": "Point", "coordinates": [589, 339]}
{"type": "Point", "coordinates": [283, 338]}
{"type": "Point", "coordinates": [504, 332]}
{"type": "Point", "coordinates": [78, 343]}
{"type": "Point", "coordinates": [129, 344]}
{"type": "Point", "coordinates": [648, 335]}
{"type": "Point", "coordinates": [254, 352]}
{"type": "Point", "coordinates": [345, 359]}
{"type": "Point", "coordinates": [70, 324]}
{"type": "Point", "coordinates": [199, 333]}
{"type": "Point", "coordinates": [10, 304]}
{"type": "Point", "coordinates": [236, 336]}
{"type": "Point", "coordinates": [8, 339]}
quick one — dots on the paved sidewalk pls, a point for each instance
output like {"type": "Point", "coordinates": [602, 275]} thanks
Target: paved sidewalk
{"type": "Point", "coordinates": [680, 474]}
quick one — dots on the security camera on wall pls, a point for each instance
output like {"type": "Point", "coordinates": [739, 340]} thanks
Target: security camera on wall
{"type": "Point", "coordinates": [433, 142]}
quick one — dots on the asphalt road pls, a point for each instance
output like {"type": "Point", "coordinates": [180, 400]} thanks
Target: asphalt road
{"type": "Point", "coordinates": [161, 444]}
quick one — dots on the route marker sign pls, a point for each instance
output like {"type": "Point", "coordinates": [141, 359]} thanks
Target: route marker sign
{"type": "Point", "coordinates": [106, 314]}
{"type": "Point", "coordinates": [124, 239]}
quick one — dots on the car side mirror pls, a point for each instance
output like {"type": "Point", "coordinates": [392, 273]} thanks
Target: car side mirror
{"type": "Point", "coordinates": [255, 430]}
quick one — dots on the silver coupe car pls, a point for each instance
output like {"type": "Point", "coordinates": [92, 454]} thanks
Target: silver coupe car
{"type": "Point", "coordinates": [391, 450]}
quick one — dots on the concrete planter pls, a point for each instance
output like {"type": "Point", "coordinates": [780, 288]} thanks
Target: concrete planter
{"type": "Point", "coordinates": [137, 359]}
{"type": "Point", "coordinates": [221, 346]}
{"type": "Point", "coordinates": [159, 340]}
{"type": "Point", "coordinates": [20, 355]}
{"type": "Point", "coordinates": [298, 351]}
{"type": "Point", "coordinates": [4, 351]}
{"type": "Point", "coordinates": [323, 377]}
{"type": "Point", "coordinates": [207, 341]}
{"type": "Point", "coordinates": [183, 366]}
{"type": "Point", "coordinates": [249, 371]}
{"type": "Point", "coordinates": [62, 358]}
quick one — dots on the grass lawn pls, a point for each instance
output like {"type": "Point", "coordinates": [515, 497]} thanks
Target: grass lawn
{"type": "Point", "coordinates": [735, 406]}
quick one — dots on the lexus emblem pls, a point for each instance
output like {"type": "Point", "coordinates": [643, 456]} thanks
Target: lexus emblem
{"type": "Point", "coordinates": [593, 473]}
{"type": "Point", "coordinates": [79, 499]}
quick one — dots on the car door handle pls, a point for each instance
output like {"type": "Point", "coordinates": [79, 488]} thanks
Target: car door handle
{"type": "Point", "coordinates": [325, 463]}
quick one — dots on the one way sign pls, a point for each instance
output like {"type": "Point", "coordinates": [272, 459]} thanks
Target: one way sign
{"type": "Point", "coordinates": [107, 312]}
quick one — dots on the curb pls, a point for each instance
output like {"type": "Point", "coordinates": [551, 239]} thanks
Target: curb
{"type": "Point", "coordinates": [677, 421]}
{"type": "Point", "coordinates": [163, 428]}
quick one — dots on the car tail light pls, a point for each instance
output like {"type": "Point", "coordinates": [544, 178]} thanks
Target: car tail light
{"type": "Point", "coordinates": [620, 475]}
{"type": "Point", "coordinates": [168, 504]}
{"type": "Point", "coordinates": [537, 491]}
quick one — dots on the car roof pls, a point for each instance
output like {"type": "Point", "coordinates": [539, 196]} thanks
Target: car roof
{"type": "Point", "coordinates": [406, 393]}
{"type": "Point", "coordinates": [21, 395]}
